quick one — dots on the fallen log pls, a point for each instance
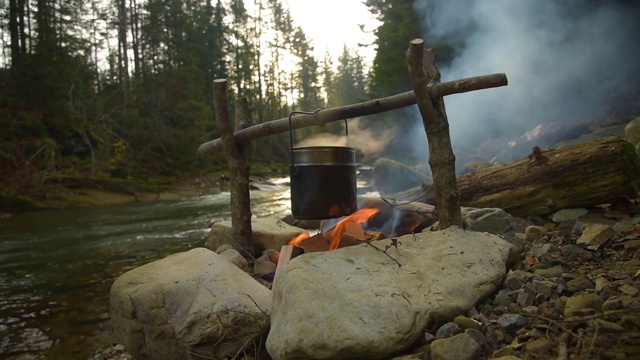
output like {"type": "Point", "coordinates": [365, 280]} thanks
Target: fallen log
{"type": "Point", "coordinates": [595, 172]}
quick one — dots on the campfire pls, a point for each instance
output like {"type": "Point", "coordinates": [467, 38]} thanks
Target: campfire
{"type": "Point", "coordinates": [348, 231]}
{"type": "Point", "coordinates": [377, 219]}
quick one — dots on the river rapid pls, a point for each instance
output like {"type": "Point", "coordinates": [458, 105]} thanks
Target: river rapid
{"type": "Point", "coordinates": [56, 267]}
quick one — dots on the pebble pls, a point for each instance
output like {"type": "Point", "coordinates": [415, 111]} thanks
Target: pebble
{"type": "Point", "coordinates": [555, 271]}
{"type": "Point", "coordinates": [579, 284]}
{"type": "Point", "coordinates": [539, 346]}
{"type": "Point", "coordinates": [580, 302]}
{"type": "Point", "coordinates": [511, 322]}
{"type": "Point", "coordinates": [534, 232]}
{"type": "Point", "coordinates": [571, 215]}
{"type": "Point", "coordinates": [264, 266]}
{"type": "Point", "coordinates": [595, 234]}
{"type": "Point", "coordinates": [460, 347]}
{"type": "Point", "coordinates": [448, 330]}
{"type": "Point", "coordinates": [629, 290]}
{"type": "Point", "coordinates": [601, 284]}
{"type": "Point", "coordinates": [234, 257]}
{"type": "Point", "coordinates": [466, 323]}
{"type": "Point", "coordinates": [612, 303]}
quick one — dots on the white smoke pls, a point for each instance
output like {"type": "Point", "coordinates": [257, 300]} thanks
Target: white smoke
{"type": "Point", "coordinates": [368, 143]}
{"type": "Point", "coordinates": [563, 59]}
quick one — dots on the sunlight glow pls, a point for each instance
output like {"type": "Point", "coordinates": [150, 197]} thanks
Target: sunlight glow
{"type": "Point", "coordinates": [332, 24]}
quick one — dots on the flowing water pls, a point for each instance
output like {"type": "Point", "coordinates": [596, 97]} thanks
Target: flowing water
{"type": "Point", "coordinates": [56, 267]}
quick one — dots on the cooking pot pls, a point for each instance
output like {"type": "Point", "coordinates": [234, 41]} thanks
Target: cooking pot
{"type": "Point", "coordinates": [323, 180]}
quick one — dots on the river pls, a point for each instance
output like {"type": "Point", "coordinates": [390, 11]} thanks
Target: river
{"type": "Point", "coordinates": [56, 267]}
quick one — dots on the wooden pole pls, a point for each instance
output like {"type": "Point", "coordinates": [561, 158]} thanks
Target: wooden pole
{"type": "Point", "coordinates": [370, 107]}
{"type": "Point", "coordinates": [423, 71]}
{"type": "Point", "coordinates": [238, 160]}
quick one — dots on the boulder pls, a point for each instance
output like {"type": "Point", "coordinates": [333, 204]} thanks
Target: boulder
{"type": "Point", "coordinates": [492, 220]}
{"type": "Point", "coordinates": [194, 304]}
{"type": "Point", "coordinates": [357, 302]}
{"type": "Point", "coordinates": [267, 234]}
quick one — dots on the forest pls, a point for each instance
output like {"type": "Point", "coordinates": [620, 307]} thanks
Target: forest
{"type": "Point", "coordinates": [123, 89]}
{"type": "Point", "coordinates": [97, 91]}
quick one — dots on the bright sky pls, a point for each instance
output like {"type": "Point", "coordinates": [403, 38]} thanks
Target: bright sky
{"type": "Point", "coordinates": [333, 23]}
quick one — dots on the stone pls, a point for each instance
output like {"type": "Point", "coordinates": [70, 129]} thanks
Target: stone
{"type": "Point", "coordinates": [511, 322]}
{"type": "Point", "coordinates": [448, 330]}
{"type": "Point", "coordinates": [195, 301]}
{"type": "Point", "coordinates": [460, 347]}
{"type": "Point", "coordinates": [234, 257]}
{"type": "Point", "coordinates": [582, 301]}
{"type": "Point", "coordinates": [514, 308]}
{"type": "Point", "coordinates": [631, 246]}
{"type": "Point", "coordinates": [491, 220]}
{"type": "Point", "coordinates": [629, 290]}
{"type": "Point", "coordinates": [544, 287]}
{"type": "Point", "coordinates": [574, 253]}
{"type": "Point", "coordinates": [602, 283]}
{"type": "Point", "coordinates": [534, 232]}
{"type": "Point", "coordinates": [579, 284]}
{"type": "Point", "coordinates": [595, 234]}
{"type": "Point", "coordinates": [572, 215]}
{"type": "Point", "coordinates": [372, 306]}
{"type": "Point", "coordinates": [264, 266]}
{"type": "Point", "coordinates": [539, 249]}
{"type": "Point", "coordinates": [555, 271]}
{"type": "Point", "coordinates": [224, 247]}
{"type": "Point", "coordinates": [504, 353]}
{"type": "Point", "coordinates": [466, 323]}
{"type": "Point", "coordinates": [267, 234]}
{"type": "Point", "coordinates": [539, 346]}
{"type": "Point", "coordinates": [477, 335]}
{"type": "Point", "coordinates": [525, 298]}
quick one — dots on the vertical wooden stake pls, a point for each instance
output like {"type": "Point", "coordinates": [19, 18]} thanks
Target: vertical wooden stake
{"type": "Point", "coordinates": [423, 73]}
{"type": "Point", "coordinates": [237, 156]}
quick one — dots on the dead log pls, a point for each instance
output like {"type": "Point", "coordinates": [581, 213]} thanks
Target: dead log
{"type": "Point", "coordinates": [370, 107]}
{"type": "Point", "coordinates": [596, 172]}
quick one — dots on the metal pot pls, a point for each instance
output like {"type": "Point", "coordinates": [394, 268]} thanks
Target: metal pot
{"type": "Point", "coordinates": [323, 181]}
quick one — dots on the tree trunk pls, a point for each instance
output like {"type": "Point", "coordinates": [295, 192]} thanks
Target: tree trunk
{"type": "Point", "coordinates": [596, 172]}
{"type": "Point", "coordinates": [423, 71]}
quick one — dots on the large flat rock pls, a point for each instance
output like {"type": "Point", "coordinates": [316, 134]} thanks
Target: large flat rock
{"type": "Point", "coordinates": [356, 302]}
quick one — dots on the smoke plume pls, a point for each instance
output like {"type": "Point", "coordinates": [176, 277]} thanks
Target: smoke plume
{"type": "Point", "coordinates": [565, 59]}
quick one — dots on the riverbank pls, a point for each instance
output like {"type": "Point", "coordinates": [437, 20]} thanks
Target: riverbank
{"type": "Point", "coordinates": [64, 192]}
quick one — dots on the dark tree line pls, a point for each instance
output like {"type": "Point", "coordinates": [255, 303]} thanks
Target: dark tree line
{"type": "Point", "coordinates": [124, 87]}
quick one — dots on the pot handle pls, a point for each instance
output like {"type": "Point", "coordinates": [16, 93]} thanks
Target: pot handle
{"type": "Point", "coordinates": [291, 129]}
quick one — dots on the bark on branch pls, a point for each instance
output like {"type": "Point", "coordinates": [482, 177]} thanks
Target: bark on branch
{"type": "Point", "coordinates": [423, 71]}
{"type": "Point", "coordinates": [370, 107]}
{"type": "Point", "coordinates": [237, 156]}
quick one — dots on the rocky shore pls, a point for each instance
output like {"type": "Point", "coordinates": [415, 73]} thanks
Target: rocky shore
{"type": "Point", "coordinates": [572, 293]}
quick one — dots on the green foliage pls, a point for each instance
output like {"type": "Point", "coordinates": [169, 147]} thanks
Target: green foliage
{"type": "Point", "coordinates": [124, 88]}
{"type": "Point", "coordinates": [399, 26]}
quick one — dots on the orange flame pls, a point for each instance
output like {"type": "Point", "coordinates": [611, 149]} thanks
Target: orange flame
{"type": "Point", "coordinates": [298, 239]}
{"type": "Point", "coordinates": [361, 216]}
